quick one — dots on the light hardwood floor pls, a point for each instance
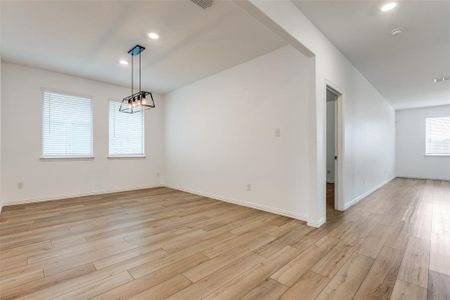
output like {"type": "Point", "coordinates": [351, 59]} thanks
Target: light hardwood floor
{"type": "Point", "coordinates": [162, 243]}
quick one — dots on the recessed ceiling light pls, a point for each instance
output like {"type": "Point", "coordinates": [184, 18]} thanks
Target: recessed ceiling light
{"type": "Point", "coordinates": [123, 62]}
{"type": "Point", "coordinates": [153, 35]}
{"type": "Point", "coordinates": [388, 6]}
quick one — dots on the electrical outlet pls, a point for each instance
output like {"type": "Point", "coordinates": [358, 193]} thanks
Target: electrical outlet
{"type": "Point", "coordinates": [277, 132]}
{"type": "Point", "coordinates": [249, 187]}
{"type": "Point", "coordinates": [20, 185]}
{"type": "Point", "coordinates": [157, 174]}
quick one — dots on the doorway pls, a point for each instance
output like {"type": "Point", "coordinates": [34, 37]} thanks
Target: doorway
{"type": "Point", "coordinates": [332, 147]}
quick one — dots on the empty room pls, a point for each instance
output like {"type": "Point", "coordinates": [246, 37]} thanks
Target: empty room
{"type": "Point", "coordinates": [224, 149]}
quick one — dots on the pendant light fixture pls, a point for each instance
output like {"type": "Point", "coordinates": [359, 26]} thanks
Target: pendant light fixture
{"type": "Point", "coordinates": [140, 100]}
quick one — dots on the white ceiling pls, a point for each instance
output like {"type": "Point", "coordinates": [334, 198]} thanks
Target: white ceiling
{"type": "Point", "coordinates": [87, 38]}
{"type": "Point", "coordinates": [401, 67]}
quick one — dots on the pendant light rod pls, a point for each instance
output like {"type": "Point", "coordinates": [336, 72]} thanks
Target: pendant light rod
{"type": "Point", "coordinates": [140, 71]}
{"type": "Point", "coordinates": [136, 51]}
{"type": "Point", "coordinates": [132, 75]}
{"type": "Point", "coordinates": [140, 100]}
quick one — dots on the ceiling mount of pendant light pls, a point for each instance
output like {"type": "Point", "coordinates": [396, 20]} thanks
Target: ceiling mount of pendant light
{"type": "Point", "coordinates": [140, 100]}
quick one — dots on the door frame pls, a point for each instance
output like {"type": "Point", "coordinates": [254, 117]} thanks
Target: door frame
{"type": "Point", "coordinates": [339, 146]}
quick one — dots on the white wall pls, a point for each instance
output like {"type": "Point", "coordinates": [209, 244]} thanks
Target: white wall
{"type": "Point", "coordinates": [221, 134]}
{"type": "Point", "coordinates": [280, 181]}
{"type": "Point", "coordinates": [52, 179]}
{"type": "Point", "coordinates": [411, 159]}
{"type": "Point", "coordinates": [1, 192]}
{"type": "Point", "coordinates": [369, 130]}
{"type": "Point", "coordinates": [331, 132]}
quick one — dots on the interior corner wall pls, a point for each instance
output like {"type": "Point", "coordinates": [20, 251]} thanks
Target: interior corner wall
{"type": "Point", "coordinates": [369, 129]}
{"type": "Point", "coordinates": [1, 191]}
{"type": "Point", "coordinates": [242, 135]}
{"type": "Point", "coordinates": [411, 159]}
{"type": "Point", "coordinates": [45, 179]}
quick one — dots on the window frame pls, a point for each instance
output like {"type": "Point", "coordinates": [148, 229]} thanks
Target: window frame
{"type": "Point", "coordinates": [62, 157]}
{"type": "Point", "coordinates": [426, 139]}
{"type": "Point", "coordinates": [119, 156]}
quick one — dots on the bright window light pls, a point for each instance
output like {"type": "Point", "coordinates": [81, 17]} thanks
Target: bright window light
{"type": "Point", "coordinates": [437, 136]}
{"type": "Point", "coordinates": [126, 132]}
{"type": "Point", "coordinates": [66, 126]}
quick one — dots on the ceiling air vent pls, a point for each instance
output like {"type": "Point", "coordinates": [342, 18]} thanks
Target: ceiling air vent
{"type": "Point", "coordinates": [203, 3]}
{"type": "Point", "coordinates": [441, 79]}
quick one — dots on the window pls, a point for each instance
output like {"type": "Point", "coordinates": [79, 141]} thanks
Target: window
{"type": "Point", "coordinates": [438, 136]}
{"type": "Point", "coordinates": [126, 132]}
{"type": "Point", "coordinates": [67, 126]}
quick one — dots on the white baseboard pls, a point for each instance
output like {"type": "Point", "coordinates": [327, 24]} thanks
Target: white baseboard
{"type": "Point", "coordinates": [68, 196]}
{"type": "Point", "coordinates": [364, 195]}
{"type": "Point", "coordinates": [266, 208]}
{"type": "Point", "coordinates": [316, 223]}
{"type": "Point", "coordinates": [262, 207]}
{"type": "Point", "coordinates": [424, 178]}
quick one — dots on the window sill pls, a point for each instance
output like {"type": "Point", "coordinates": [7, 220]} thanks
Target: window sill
{"type": "Point", "coordinates": [443, 155]}
{"type": "Point", "coordinates": [125, 156]}
{"type": "Point", "coordinates": [65, 157]}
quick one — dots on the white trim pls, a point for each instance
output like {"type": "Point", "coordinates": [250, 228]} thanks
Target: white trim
{"type": "Point", "coordinates": [339, 149]}
{"type": "Point", "coordinates": [423, 178]}
{"type": "Point", "coordinates": [301, 217]}
{"type": "Point", "coordinates": [364, 195]}
{"type": "Point", "coordinates": [67, 157]}
{"type": "Point", "coordinates": [126, 156]}
{"type": "Point", "coordinates": [65, 93]}
{"type": "Point", "coordinates": [214, 197]}
{"type": "Point", "coordinates": [316, 223]}
{"type": "Point", "coordinates": [265, 208]}
{"type": "Point", "coordinates": [68, 196]}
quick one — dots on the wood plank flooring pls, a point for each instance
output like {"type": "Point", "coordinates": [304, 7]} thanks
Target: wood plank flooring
{"type": "Point", "coordinates": [331, 212]}
{"type": "Point", "coordinates": [166, 244]}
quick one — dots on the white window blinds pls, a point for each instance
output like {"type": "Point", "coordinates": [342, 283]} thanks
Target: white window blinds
{"type": "Point", "coordinates": [438, 136]}
{"type": "Point", "coordinates": [126, 132]}
{"type": "Point", "coordinates": [67, 126]}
